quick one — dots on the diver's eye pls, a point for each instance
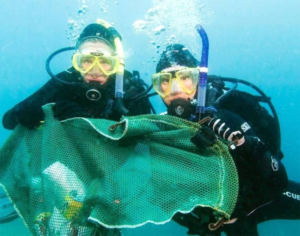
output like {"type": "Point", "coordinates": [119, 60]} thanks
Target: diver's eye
{"type": "Point", "coordinates": [87, 60]}
{"type": "Point", "coordinates": [164, 80]}
{"type": "Point", "coordinates": [185, 77]}
{"type": "Point", "coordinates": [105, 62]}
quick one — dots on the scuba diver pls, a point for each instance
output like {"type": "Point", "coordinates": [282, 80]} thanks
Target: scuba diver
{"type": "Point", "coordinates": [252, 135]}
{"type": "Point", "coordinates": [91, 88]}
{"type": "Point", "coordinates": [96, 86]}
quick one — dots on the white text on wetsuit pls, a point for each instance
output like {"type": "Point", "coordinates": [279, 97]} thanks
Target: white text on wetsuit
{"type": "Point", "coordinates": [292, 195]}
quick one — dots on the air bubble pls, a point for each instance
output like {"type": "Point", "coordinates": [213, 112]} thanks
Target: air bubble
{"type": "Point", "coordinates": [103, 9]}
{"type": "Point", "coordinates": [171, 38]}
{"type": "Point", "coordinates": [201, 7]}
{"type": "Point", "coordinates": [158, 30]}
{"type": "Point", "coordinates": [152, 13]}
{"type": "Point", "coordinates": [80, 12]}
{"type": "Point", "coordinates": [140, 25]}
{"type": "Point", "coordinates": [84, 8]}
{"type": "Point", "coordinates": [71, 23]}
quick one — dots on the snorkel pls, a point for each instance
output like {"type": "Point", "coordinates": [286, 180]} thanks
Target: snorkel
{"type": "Point", "coordinates": [120, 72]}
{"type": "Point", "coordinates": [201, 96]}
{"type": "Point", "coordinates": [47, 64]}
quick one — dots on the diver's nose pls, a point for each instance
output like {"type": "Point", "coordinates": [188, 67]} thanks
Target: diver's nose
{"type": "Point", "coordinates": [176, 88]}
{"type": "Point", "coordinates": [96, 71]}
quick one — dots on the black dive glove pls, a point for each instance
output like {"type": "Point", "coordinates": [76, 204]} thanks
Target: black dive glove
{"type": "Point", "coordinates": [251, 151]}
{"type": "Point", "coordinates": [221, 129]}
{"type": "Point", "coordinates": [245, 147]}
{"type": "Point", "coordinates": [30, 116]}
{"type": "Point", "coordinates": [67, 109]}
{"type": "Point", "coordinates": [204, 138]}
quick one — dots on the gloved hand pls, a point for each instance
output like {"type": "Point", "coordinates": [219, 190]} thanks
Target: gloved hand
{"type": "Point", "coordinates": [30, 115]}
{"type": "Point", "coordinates": [242, 146]}
{"type": "Point", "coordinates": [222, 130]}
{"type": "Point", "coordinates": [251, 150]}
{"type": "Point", "coordinates": [65, 109]}
{"type": "Point", "coordinates": [203, 138]}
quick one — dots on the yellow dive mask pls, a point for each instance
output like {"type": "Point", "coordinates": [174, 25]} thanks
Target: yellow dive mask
{"type": "Point", "coordinates": [84, 62]}
{"type": "Point", "coordinates": [177, 78]}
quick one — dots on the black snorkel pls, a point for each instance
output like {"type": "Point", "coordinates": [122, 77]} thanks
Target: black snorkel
{"type": "Point", "coordinates": [47, 65]}
{"type": "Point", "coordinates": [201, 92]}
{"type": "Point", "coordinates": [92, 92]}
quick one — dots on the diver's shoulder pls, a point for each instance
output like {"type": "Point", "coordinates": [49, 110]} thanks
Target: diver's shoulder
{"type": "Point", "coordinates": [127, 75]}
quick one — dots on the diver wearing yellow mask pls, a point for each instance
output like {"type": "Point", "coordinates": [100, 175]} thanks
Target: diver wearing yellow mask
{"type": "Point", "coordinates": [176, 81]}
{"type": "Point", "coordinates": [92, 87]}
{"type": "Point", "coordinates": [262, 177]}
{"type": "Point", "coordinates": [96, 61]}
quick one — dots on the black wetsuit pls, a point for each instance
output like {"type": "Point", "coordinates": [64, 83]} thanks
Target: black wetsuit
{"type": "Point", "coordinates": [285, 198]}
{"type": "Point", "coordinates": [54, 91]}
{"type": "Point", "coordinates": [264, 191]}
{"type": "Point", "coordinates": [285, 206]}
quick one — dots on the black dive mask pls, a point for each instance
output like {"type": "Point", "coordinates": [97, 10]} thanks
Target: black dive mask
{"type": "Point", "coordinates": [182, 108]}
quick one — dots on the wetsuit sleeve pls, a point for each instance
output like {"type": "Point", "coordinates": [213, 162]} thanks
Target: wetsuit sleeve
{"type": "Point", "coordinates": [269, 169]}
{"type": "Point", "coordinates": [252, 153]}
{"type": "Point", "coordinates": [50, 92]}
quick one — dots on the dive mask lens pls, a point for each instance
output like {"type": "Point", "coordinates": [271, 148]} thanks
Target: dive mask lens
{"type": "Point", "coordinates": [184, 79]}
{"type": "Point", "coordinates": [188, 79]}
{"type": "Point", "coordinates": [85, 62]}
{"type": "Point", "coordinates": [162, 83]}
{"type": "Point", "coordinates": [108, 64]}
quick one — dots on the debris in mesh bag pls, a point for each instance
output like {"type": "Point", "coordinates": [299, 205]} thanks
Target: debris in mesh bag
{"type": "Point", "coordinates": [80, 176]}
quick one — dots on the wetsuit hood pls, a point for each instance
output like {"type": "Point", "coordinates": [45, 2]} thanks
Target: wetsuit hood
{"type": "Point", "coordinates": [98, 31]}
{"type": "Point", "coordinates": [176, 54]}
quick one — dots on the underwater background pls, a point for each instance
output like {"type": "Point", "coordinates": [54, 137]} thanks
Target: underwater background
{"type": "Point", "coordinates": [258, 41]}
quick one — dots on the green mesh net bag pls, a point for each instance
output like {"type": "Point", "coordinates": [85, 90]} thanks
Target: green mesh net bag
{"type": "Point", "coordinates": [142, 169]}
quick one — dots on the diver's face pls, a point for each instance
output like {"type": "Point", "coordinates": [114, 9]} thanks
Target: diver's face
{"type": "Point", "coordinates": [179, 93]}
{"type": "Point", "coordinates": [96, 73]}
{"type": "Point", "coordinates": [182, 86]}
